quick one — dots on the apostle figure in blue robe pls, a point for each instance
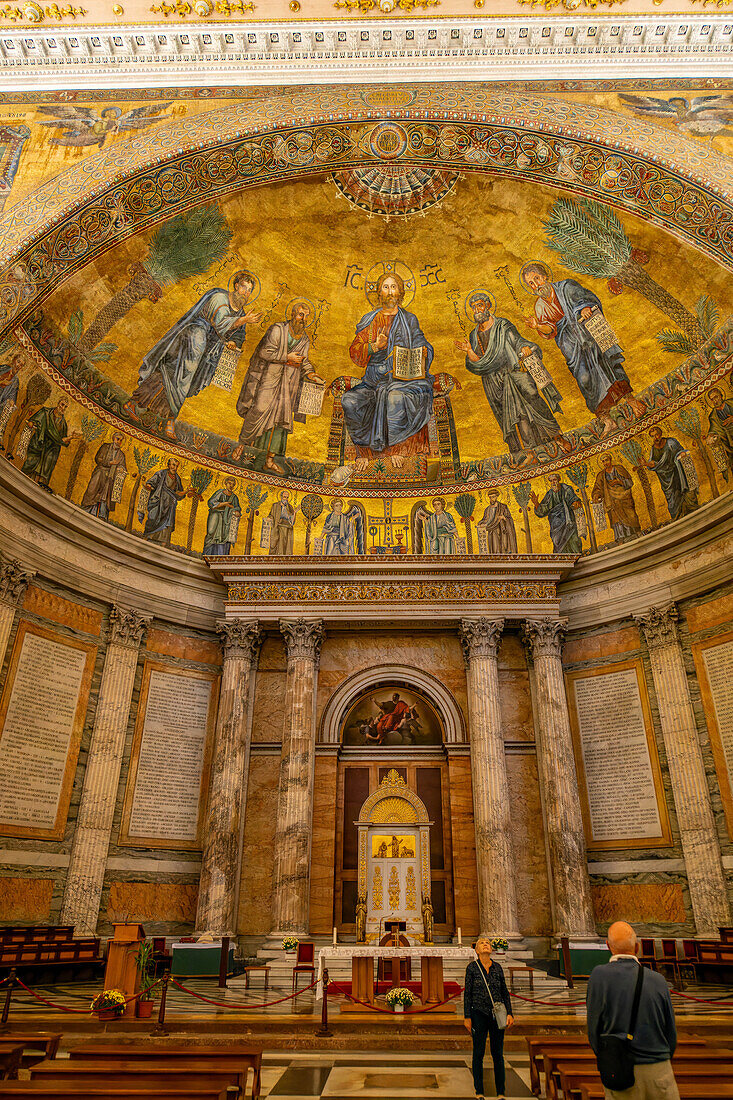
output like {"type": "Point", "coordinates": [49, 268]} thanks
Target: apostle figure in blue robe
{"type": "Point", "coordinates": [665, 460]}
{"type": "Point", "coordinates": [561, 310]}
{"type": "Point", "coordinates": [386, 416]}
{"type": "Point", "coordinates": [166, 490]}
{"type": "Point", "coordinates": [184, 361]}
{"type": "Point", "coordinates": [559, 505]}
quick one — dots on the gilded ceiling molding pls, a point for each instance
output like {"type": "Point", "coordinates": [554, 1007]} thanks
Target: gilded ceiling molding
{"type": "Point", "coordinates": [384, 7]}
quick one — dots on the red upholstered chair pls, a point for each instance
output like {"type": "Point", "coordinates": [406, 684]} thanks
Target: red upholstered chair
{"type": "Point", "coordinates": [690, 957]}
{"type": "Point", "coordinates": [647, 955]}
{"type": "Point", "coordinates": [304, 961]}
{"type": "Point", "coordinates": [669, 957]}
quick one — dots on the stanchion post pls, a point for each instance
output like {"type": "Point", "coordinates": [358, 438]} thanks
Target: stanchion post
{"type": "Point", "coordinates": [324, 1031]}
{"type": "Point", "coordinates": [565, 945]}
{"type": "Point", "coordinates": [6, 1005]}
{"type": "Point", "coordinates": [224, 962]}
{"type": "Point", "coordinates": [159, 1028]}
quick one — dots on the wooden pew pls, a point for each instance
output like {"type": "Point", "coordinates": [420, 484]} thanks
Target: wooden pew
{"type": "Point", "coordinates": [152, 1073]}
{"type": "Point", "coordinates": [249, 1057]}
{"type": "Point", "coordinates": [37, 1045]}
{"type": "Point", "coordinates": [62, 1090]}
{"type": "Point", "coordinates": [10, 1056]}
{"type": "Point", "coordinates": [567, 1077]}
{"type": "Point", "coordinates": [572, 1044]}
{"type": "Point", "coordinates": [706, 1090]}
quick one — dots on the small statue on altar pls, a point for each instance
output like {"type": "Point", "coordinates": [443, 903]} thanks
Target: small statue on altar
{"type": "Point", "coordinates": [395, 847]}
{"type": "Point", "coordinates": [427, 918]}
{"type": "Point", "coordinates": [361, 917]}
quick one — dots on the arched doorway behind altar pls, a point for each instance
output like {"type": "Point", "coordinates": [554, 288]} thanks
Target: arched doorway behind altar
{"type": "Point", "coordinates": [394, 856]}
{"type": "Point", "coordinates": [413, 750]}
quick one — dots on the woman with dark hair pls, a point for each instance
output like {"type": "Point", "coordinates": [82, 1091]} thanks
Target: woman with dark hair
{"type": "Point", "coordinates": [485, 1001]}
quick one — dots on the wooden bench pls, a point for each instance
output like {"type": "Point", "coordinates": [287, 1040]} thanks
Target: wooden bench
{"type": "Point", "coordinates": [709, 1090]}
{"type": "Point", "coordinates": [566, 1077]}
{"type": "Point", "coordinates": [247, 1057]}
{"type": "Point", "coordinates": [151, 1073]}
{"type": "Point", "coordinates": [37, 1045]}
{"type": "Point", "coordinates": [10, 1057]}
{"type": "Point", "coordinates": [34, 933]}
{"type": "Point", "coordinates": [62, 1090]}
{"type": "Point", "coordinates": [571, 1044]}
{"type": "Point", "coordinates": [35, 956]}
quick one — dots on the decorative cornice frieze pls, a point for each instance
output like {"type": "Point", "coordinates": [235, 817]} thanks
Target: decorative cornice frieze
{"type": "Point", "coordinates": [480, 638]}
{"type": "Point", "coordinates": [574, 46]}
{"type": "Point", "coordinates": [303, 638]}
{"type": "Point", "coordinates": [240, 638]}
{"type": "Point", "coordinates": [394, 591]}
{"type": "Point", "coordinates": [127, 627]}
{"type": "Point", "coordinates": [660, 626]}
{"type": "Point", "coordinates": [545, 637]}
{"type": "Point", "coordinates": [14, 580]}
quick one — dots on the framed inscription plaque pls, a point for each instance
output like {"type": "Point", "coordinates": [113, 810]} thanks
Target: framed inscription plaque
{"type": "Point", "coordinates": [42, 711]}
{"type": "Point", "coordinates": [165, 797]}
{"type": "Point", "coordinates": [622, 795]}
{"type": "Point", "coordinates": [714, 664]}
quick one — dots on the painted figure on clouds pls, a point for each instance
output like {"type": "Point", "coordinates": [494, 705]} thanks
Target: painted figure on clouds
{"type": "Point", "coordinates": [496, 352]}
{"type": "Point", "coordinates": [561, 310]}
{"type": "Point", "coordinates": [386, 416]}
{"type": "Point", "coordinates": [559, 505]}
{"type": "Point", "coordinates": [269, 393]}
{"type": "Point", "coordinates": [184, 361]}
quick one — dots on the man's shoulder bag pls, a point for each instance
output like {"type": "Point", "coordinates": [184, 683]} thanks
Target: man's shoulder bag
{"type": "Point", "coordinates": [498, 1008]}
{"type": "Point", "coordinates": [614, 1057]}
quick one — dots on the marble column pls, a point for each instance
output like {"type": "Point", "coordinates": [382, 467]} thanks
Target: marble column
{"type": "Point", "coordinates": [556, 761]}
{"type": "Point", "coordinates": [699, 837]}
{"type": "Point", "coordinates": [88, 860]}
{"type": "Point", "coordinates": [14, 580]}
{"type": "Point", "coordinates": [497, 897]}
{"type": "Point", "coordinates": [241, 641]}
{"type": "Point", "coordinates": [291, 871]}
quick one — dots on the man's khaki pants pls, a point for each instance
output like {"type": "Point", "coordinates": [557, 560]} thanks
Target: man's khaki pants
{"type": "Point", "coordinates": [653, 1082]}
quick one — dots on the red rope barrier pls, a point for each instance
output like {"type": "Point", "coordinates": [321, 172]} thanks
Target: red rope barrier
{"type": "Point", "coordinates": [553, 1004]}
{"type": "Point", "coordinates": [80, 1011]}
{"type": "Point", "coordinates": [238, 1004]}
{"type": "Point", "coordinates": [389, 1011]}
{"type": "Point", "coordinates": [702, 1000]}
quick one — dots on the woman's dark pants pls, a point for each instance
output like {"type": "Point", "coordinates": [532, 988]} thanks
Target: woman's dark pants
{"type": "Point", "coordinates": [481, 1026]}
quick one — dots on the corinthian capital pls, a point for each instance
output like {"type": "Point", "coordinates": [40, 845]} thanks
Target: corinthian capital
{"type": "Point", "coordinates": [480, 637]}
{"type": "Point", "coordinates": [660, 626]}
{"type": "Point", "coordinates": [240, 638]}
{"type": "Point", "coordinates": [127, 627]}
{"type": "Point", "coordinates": [544, 637]}
{"type": "Point", "coordinates": [14, 580]}
{"type": "Point", "coordinates": [303, 638]}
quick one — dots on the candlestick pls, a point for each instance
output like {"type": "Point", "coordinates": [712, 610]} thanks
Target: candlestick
{"type": "Point", "coordinates": [459, 937]}
{"type": "Point", "coordinates": [335, 941]}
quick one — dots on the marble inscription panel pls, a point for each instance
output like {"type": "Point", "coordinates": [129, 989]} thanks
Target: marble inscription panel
{"type": "Point", "coordinates": [42, 716]}
{"type": "Point", "coordinates": [615, 740]}
{"type": "Point", "coordinates": [168, 773]}
{"type": "Point", "coordinates": [714, 664]}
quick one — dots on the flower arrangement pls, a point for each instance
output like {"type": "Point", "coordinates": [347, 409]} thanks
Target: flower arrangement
{"type": "Point", "coordinates": [402, 997]}
{"type": "Point", "coordinates": [290, 943]}
{"type": "Point", "coordinates": [499, 944]}
{"type": "Point", "coordinates": [109, 1000]}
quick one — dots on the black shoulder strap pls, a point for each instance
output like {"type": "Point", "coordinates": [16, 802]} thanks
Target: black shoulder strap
{"type": "Point", "coordinates": [635, 1005]}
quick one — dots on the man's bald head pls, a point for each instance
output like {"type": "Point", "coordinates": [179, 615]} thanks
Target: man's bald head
{"type": "Point", "coordinates": [621, 939]}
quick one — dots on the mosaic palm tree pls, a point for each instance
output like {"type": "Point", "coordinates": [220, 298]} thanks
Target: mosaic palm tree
{"type": "Point", "coordinates": [578, 474]}
{"type": "Point", "coordinates": [522, 494]}
{"type": "Point", "coordinates": [680, 343]}
{"type": "Point", "coordinates": [91, 429]}
{"type": "Point", "coordinates": [592, 241]}
{"type": "Point", "coordinates": [256, 496]}
{"type": "Point", "coordinates": [465, 504]}
{"type": "Point", "coordinates": [199, 481]}
{"type": "Point", "coordinates": [311, 506]}
{"type": "Point", "coordinates": [182, 247]}
{"type": "Point", "coordinates": [633, 453]}
{"type": "Point", "coordinates": [688, 422]}
{"type": "Point", "coordinates": [144, 461]}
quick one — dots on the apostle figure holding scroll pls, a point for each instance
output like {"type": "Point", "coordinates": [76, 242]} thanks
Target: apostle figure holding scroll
{"type": "Point", "coordinates": [385, 414]}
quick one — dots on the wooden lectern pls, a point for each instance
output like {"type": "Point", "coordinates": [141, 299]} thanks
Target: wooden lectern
{"type": "Point", "coordinates": [121, 972]}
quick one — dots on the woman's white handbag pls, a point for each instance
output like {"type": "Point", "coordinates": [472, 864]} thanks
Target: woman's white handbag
{"type": "Point", "coordinates": [499, 1010]}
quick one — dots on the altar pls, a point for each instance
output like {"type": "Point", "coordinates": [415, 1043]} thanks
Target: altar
{"type": "Point", "coordinates": [362, 958]}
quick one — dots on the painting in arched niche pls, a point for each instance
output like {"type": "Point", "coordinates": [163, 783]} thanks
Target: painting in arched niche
{"type": "Point", "coordinates": [391, 715]}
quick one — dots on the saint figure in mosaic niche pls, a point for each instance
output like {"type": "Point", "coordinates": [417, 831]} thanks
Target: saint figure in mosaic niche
{"type": "Point", "coordinates": [50, 434]}
{"type": "Point", "coordinates": [720, 424]}
{"type": "Point", "coordinates": [666, 459]}
{"type": "Point", "coordinates": [497, 526]}
{"type": "Point", "coordinates": [612, 488]}
{"type": "Point", "coordinates": [165, 490]}
{"type": "Point", "coordinates": [343, 531]}
{"type": "Point", "coordinates": [224, 511]}
{"type": "Point", "coordinates": [184, 361]}
{"type": "Point", "coordinates": [436, 531]}
{"type": "Point", "coordinates": [559, 505]}
{"type": "Point", "coordinates": [386, 414]}
{"type": "Point", "coordinates": [497, 353]}
{"type": "Point", "coordinates": [282, 518]}
{"type": "Point", "coordinates": [267, 401]}
{"type": "Point", "coordinates": [573, 316]}
{"type": "Point", "coordinates": [110, 464]}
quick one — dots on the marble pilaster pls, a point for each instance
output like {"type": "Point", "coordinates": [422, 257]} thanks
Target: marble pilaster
{"type": "Point", "coordinates": [698, 835]}
{"type": "Point", "coordinates": [241, 641]}
{"type": "Point", "coordinates": [497, 900]}
{"type": "Point", "coordinates": [88, 859]}
{"type": "Point", "coordinates": [558, 776]}
{"type": "Point", "coordinates": [291, 871]}
{"type": "Point", "coordinates": [14, 580]}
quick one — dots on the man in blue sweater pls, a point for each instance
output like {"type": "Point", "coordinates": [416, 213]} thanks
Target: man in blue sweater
{"type": "Point", "coordinates": [609, 1000]}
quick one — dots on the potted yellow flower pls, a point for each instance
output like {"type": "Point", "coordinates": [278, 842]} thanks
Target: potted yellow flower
{"type": "Point", "coordinates": [109, 1004]}
{"type": "Point", "coordinates": [290, 944]}
{"type": "Point", "coordinates": [398, 999]}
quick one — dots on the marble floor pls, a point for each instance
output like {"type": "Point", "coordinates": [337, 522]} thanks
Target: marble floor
{"type": "Point", "coordinates": [386, 1076]}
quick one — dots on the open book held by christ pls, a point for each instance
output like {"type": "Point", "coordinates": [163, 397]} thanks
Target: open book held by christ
{"type": "Point", "coordinates": [409, 364]}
